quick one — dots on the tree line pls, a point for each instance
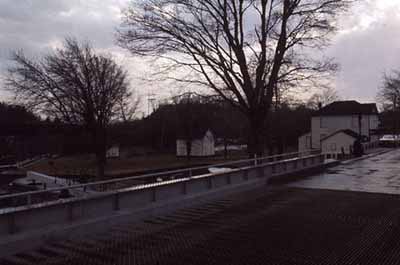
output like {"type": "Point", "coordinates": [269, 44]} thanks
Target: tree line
{"type": "Point", "coordinates": [247, 52]}
{"type": "Point", "coordinates": [181, 117]}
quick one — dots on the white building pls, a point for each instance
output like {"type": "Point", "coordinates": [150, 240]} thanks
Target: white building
{"type": "Point", "coordinates": [113, 152]}
{"type": "Point", "coordinates": [203, 144]}
{"type": "Point", "coordinates": [337, 124]}
{"type": "Point", "coordinates": [339, 143]}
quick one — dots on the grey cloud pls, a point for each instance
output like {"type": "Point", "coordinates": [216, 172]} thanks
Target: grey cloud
{"type": "Point", "coordinates": [366, 53]}
{"type": "Point", "coordinates": [33, 25]}
{"type": "Point", "coordinates": [36, 25]}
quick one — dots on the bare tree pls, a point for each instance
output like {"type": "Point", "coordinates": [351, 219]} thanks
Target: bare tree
{"type": "Point", "coordinates": [75, 85]}
{"type": "Point", "coordinates": [190, 110]}
{"type": "Point", "coordinates": [389, 99]}
{"type": "Point", "coordinates": [389, 94]}
{"type": "Point", "coordinates": [326, 96]}
{"type": "Point", "coordinates": [245, 50]}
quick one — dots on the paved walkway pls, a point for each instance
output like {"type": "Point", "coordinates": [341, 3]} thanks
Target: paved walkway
{"type": "Point", "coordinates": [379, 174]}
{"type": "Point", "coordinates": [269, 225]}
{"type": "Point", "coordinates": [264, 226]}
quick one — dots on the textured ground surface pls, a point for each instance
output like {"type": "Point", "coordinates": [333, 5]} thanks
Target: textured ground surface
{"type": "Point", "coordinates": [379, 173]}
{"type": "Point", "coordinates": [275, 225]}
{"type": "Point", "coordinates": [264, 226]}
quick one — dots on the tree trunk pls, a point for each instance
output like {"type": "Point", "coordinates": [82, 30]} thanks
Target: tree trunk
{"type": "Point", "coordinates": [225, 148]}
{"type": "Point", "coordinates": [100, 164]}
{"type": "Point", "coordinates": [100, 146]}
{"type": "Point", "coordinates": [188, 149]}
{"type": "Point", "coordinates": [257, 138]}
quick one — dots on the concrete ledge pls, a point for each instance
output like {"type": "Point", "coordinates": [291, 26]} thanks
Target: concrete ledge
{"type": "Point", "coordinates": [301, 174]}
{"type": "Point", "coordinates": [34, 239]}
{"type": "Point", "coordinates": [24, 228]}
{"type": "Point", "coordinates": [366, 156]}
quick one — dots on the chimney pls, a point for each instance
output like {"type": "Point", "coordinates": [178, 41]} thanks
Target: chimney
{"type": "Point", "coordinates": [319, 105]}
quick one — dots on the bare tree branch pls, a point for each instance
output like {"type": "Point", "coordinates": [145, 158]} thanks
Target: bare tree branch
{"type": "Point", "coordinates": [244, 50]}
{"type": "Point", "coordinates": [75, 85]}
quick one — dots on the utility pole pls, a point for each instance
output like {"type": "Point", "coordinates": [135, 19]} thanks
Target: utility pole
{"type": "Point", "coordinates": [150, 102]}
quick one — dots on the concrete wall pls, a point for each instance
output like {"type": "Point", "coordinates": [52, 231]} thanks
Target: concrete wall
{"type": "Point", "coordinates": [23, 227]}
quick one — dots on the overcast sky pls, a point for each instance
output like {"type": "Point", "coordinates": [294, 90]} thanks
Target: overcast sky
{"type": "Point", "coordinates": [367, 44]}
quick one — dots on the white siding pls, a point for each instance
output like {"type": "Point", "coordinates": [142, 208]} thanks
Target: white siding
{"type": "Point", "coordinates": [113, 152]}
{"type": "Point", "coordinates": [199, 147]}
{"type": "Point", "coordinates": [326, 125]}
{"type": "Point", "coordinates": [334, 144]}
{"type": "Point", "coordinates": [304, 143]}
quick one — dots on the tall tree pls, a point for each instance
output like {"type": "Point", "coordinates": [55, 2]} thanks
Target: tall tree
{"type": "Point", "coordinates": [389, 99]}
{"type": "Point", "coordinates": [244, 50]}
{"type": "Point", "coordinates": [389, 94]}
{"type": "Point", "coordinates": [324, 97]}
{"type": "Point", "coordinates": [11, 114]}
{"type": "Point", "coordinates": [75, 85]}
{"type": "Point", "coordinates": [193, 117]}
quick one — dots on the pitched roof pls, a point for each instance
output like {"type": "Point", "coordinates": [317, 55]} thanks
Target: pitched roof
{"type": "Point", "coordinates": [346, 131]}
{"type": "Point", "coordinates": [349, 107]}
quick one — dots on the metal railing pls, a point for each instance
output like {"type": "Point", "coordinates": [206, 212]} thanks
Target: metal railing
{"type": "Point", "coordinates": [50, 194]}
{"type": "Point", "coordinates": [370, 145]}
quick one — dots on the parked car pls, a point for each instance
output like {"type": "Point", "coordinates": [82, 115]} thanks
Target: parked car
{"type": "Point", "coordinates": [389, 140]}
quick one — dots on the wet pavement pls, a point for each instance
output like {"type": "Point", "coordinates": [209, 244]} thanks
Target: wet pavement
{"type": "Point", "coordinates": [315, 221]}
{"type": "Point", "coordinates": [273, 226]}
{"type": "Point", "coordinates": [378, 174]}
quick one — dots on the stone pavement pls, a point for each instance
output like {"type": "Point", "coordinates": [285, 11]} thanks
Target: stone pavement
{"type": "Point", "coordinates": [379, 173]}
{"type": "Point", "coordinates": [268, 225]}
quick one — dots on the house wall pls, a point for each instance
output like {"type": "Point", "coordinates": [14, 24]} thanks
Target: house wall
{"type": "Point", "coordinates": [181, 148]}
{"type": "Point", "coordinates": [322, 126]}
{"type": "Point", "coordinates": [113, 152]}
{"type": "Point", "coordinates": [334, 144]}
{"type": "Point", "coordinates": [208, 144]}
{"type": "Point", "coordinates": [200, 147]}
{"type": "Point", "coordinates": [304, 143]}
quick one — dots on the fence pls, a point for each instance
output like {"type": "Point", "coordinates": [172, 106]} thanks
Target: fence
{"type": "Point", "coordinates": [31, 197]}
{"type": "Point", "coordinates": [93, 208]}
{"type": "Point", "coordinates": [370, 145]}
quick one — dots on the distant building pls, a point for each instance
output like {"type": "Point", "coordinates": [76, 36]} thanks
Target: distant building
{"type": "Point", "coordinates": [339, 124]}
{"type": "Point", "coordinates": [113, 152]}
{"type": "Point", "coordinates": [338, 143]}
{"type": "Point", "coordinates": [203, 144]}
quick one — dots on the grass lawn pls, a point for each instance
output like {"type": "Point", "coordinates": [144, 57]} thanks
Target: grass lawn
{"type": "Point", "coordinates": [85, 164]}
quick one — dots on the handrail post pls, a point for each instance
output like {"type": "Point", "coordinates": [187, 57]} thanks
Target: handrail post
{"type": "Point", "coordinates": [29, 199]}
{"type": "Point", "coordinates": [104, 185]}
{"type": "Point", "coordinates": [116, 202]}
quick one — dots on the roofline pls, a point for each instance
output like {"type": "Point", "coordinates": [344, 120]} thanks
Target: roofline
{"type": "Point", "coordinates": [339, 131]}
{"type": "Point", "coordinates": [318, 115]}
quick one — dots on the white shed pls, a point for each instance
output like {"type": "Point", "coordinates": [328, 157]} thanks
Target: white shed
{"type": "Point", "coordinates": [338, 143]}
{"type": "Point", "coordinates": [203, 145]}
{"type": "Point", "coordinates": [113, 152]}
